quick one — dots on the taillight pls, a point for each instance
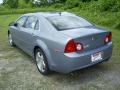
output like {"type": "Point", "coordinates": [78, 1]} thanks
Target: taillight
{"type": "Point", "coordinates": [108, 38]}
{"type": "Point", "coordinates": [73, 47]}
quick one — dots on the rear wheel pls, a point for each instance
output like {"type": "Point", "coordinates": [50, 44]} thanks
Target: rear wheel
{"type": "Point", "coordinates": [41, 62]}
{"type": "Point", "coordinates": [10, 40]}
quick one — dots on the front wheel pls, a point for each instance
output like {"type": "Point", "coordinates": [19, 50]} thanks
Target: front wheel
{"type": "Point", "coordinates": [41, 62]}
{"type": "Point", "coordinates": [10, 40]}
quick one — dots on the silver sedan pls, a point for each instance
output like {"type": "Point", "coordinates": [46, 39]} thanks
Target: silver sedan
{"type": "Point", "coordinates": [60, 41]}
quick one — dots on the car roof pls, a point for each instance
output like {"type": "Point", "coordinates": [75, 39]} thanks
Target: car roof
{"type": "Point", "coordinates": [49, 14]}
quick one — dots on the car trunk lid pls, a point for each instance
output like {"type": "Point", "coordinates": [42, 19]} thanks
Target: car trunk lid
{"type": "Point", "coordinates": [90, 37]}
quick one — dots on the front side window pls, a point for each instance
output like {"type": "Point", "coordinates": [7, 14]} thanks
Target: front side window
{"type": "Point", "coordinates": [68, 22]}
{"type": "Point", "coordinates": [21, 21]}
{"type": "Point", "coordinates": [31, 22]}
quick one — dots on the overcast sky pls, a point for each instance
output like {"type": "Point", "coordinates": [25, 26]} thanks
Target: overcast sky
{"type": "Point", "coordinates": [1, 1]}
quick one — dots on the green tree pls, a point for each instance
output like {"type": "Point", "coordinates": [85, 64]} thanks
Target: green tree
{"type": "Point", "coordinates": [63, 0]}
{"type": "Point", "coordinates": [4, 2]}
{"type": "Point", "coordinates": [27, 1]}
{"type": "Point", "coordinates": [41, 3]}
{"type": "Point", "coordinates": [11, 3]}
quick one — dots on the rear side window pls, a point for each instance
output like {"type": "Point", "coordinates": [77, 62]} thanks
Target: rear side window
{"type": "Point", "coordinates": [31, 22]}
{"type": "Point", "coordinates": [22, 20]}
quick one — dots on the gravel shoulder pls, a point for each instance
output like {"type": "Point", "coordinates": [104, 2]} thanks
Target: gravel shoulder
{"type": "Point", "coordinates": [20, 73]}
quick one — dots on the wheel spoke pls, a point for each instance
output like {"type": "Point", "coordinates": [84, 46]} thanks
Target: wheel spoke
{"type": "Point", "coordinates": [10, 39]}
{"type": "Point", "coordinates": [40, 61]}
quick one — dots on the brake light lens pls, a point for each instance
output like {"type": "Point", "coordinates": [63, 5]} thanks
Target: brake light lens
{"type": "Point", "coordinates": [108, 38]}
{"type": "Point", "coordinates": [73, 47]}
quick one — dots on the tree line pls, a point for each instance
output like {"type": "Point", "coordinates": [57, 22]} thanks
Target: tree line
{"type": "Point", "coordinates": [33, 3]}
{"type": "Point", "coordinates": [30, 3]}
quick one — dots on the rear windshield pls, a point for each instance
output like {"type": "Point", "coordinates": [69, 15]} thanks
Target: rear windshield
{"type": "Point", "coordinates": [68, 22]}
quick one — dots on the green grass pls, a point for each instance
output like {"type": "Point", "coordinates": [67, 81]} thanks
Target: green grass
{"type": "Point", "coordinates": [23, 11]}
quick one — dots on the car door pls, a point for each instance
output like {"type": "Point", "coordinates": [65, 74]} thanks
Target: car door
{"type": "Point", "coordinates": [17, 34]}
{"type": "Point", "coordinates": [27, 33]}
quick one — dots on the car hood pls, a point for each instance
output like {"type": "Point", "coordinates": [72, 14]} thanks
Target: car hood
{"type": "Point", "coordinates": [80, 32]}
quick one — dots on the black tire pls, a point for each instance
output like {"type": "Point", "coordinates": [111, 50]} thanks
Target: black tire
{"type": "Point", "coordinates": [45, 66]}
{"type": "Point", "coordinates": [10, 40]}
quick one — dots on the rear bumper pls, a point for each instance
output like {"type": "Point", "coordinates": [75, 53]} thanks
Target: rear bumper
{"type": "Point", "coordinates": [68, 62]}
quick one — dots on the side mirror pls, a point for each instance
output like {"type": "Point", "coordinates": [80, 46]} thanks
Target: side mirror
{"type": "Point", "coordinates": [13, 24]}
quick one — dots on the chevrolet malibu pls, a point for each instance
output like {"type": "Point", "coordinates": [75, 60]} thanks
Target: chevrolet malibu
{"type": "Point", "coordinates": [60, 41]}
